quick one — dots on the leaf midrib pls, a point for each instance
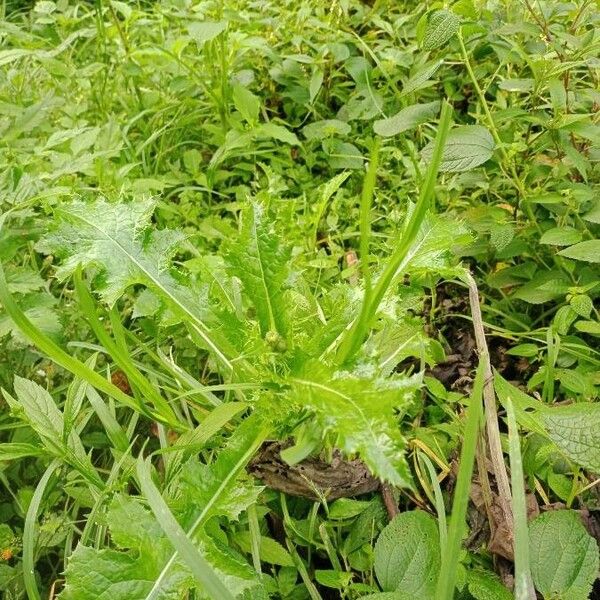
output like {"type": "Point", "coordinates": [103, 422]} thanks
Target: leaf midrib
{"type": "Point", "coordinates": [198, 324]}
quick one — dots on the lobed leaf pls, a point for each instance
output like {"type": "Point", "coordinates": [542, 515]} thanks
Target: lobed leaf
{"type": "Point", "coordinates": [258, 259]}
{"type": "Point", "coordinates": [358, 409]}
{"type": "Point", "coordinates": [116, 239]}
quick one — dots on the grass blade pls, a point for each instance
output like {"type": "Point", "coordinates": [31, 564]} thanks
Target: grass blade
{"type": "Point", "coordinates": [57, 354]}
{"type": "Point", "coordinates": [199, 566]}
{"type": "Point", "coordinates": [438, 498]}
{"type": "Point", "coordinates": [29, 532]}
{"type": "Point", "coordinates": [451, 552]}
{"type": "Point", "coordinates": [353, 337]}
{"type": "Point", "coordinates": [243, 451]}
{"type": "Point", "coordinates": [366, 202]}
{"type": "Point", "coordinates": [118, 354]}
{"type": "Point", "coordinates": [523, 582]}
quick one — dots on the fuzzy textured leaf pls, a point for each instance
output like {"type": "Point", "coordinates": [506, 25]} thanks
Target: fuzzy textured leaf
{"type": "Point", "coordinates": [467, 147]}
{"type": "Point", "coordinates": [564, 557]}
{"type": "Point", "coordinates": [407, 555]}
{"type": "Point", "coordinates": [117, 240]}
{"type": "Point", "coordinates": [442, 25]}
{"type": "Point", "coordinates": [406, 119]}
{"type": "Point", "coordinates": [574, 429]}
{"type": "Point", "coordinates": [486, 586]}
{"type": "Point", "coordinates": [588, 251]}
{"type": "Point", "coordinates": [561, 236]}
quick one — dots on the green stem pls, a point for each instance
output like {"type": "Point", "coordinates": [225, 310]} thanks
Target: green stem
{"type": "Point", "coordinates": [353, 337]}
{"type": "Point", "coordinates": [512, 175]}
{"type": "Point", "coordinates": [366, 203]}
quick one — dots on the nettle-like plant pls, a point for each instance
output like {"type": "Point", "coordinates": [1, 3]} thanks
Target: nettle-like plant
{"type": "Point", "coordinates": [277, 353]}
{"type": "Point", "coordinates": [280, 362]}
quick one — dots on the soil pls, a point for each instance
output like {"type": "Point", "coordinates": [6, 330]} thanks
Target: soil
{"type": "Point", "coordinates": [312, 478]}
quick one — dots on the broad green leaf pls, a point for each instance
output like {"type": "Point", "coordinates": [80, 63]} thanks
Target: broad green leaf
{"type": "Point", "coordinates": [246, 103]}
{"type": "Point", "coordinates": [325, 128]}
{"type": "Point", "coordinates": [115, 238]}
{"type": "Point", "coordinates": [316, 81]}
{"type": "Point", "coordinates": [346, 508]}
{"type": "Point", "coordinates": [561, 236]}
{"type": "Point", "coordinates": [591, 327]}
{"type": "Point", "coordinates": [406, 119]}
{"type": "Point", "coordinates": [330, 578]}
{"type": "Point", "coordinates": [543, 287]}
{"type": "Point", "coordinates": [442, 25]}
{"type": "Point", "coordinates": [206, 30]}
{"type": "Point", "coordinates": [145, 536]}
{"type": "Point", "coordinates": [517, 85]}
{"type": "Point", "coordinates": [574, 429]}
{"type": "Point", "coordinates": [359, 411]}
{"type": "Point", "coordinates": [11, 451]}
{"type": "Point", "coordinates": [271, 552]}
{"type": "Point", "coordinates": [234, 141]}
{"type": "Point", "coordinates": [258, 259]}
{"type": "Point", "coordinates": [528, 350]}
{"type": "Point", "coordinates": [92, 574]}
{"type": "Point", "coordinates": [486, 586]}
{"type": "Point", "coordinates": [44, 417]}
{"type": "Point", "coordinates": [40, 309]}
{"type": "Point", "coordinates": [527, 410]}
{"type": "Point", "coordinates": [197, 481]}
{"type": "Point", "coordinates": [588, 251]}
{"type": "Point", "coordinates": [146, 305]}
{"type": "Point", "coordinates": [277, 132]}
{"type": "Point", "coordinates": [129, 572]}
{"type": "Point", "coordinates": [407, 555]}
{"type": "Point", "coordinates": [564, 557]}
{"type": "Point", "coordinates": [23, 281]}
{"type": "Point", "coordinates": [467, 147]}
{"type": "Point", "coordinates": [593, 215]}
{"type": "Point", "coordinates": [432, 246]}
{"type": "Point", "coordinates": [421, 78]}
{"type": "Point", "coordinates": [342, 155]}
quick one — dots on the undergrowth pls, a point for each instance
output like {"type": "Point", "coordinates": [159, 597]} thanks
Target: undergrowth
{"type": "Point", "coordinates": [298, 300]}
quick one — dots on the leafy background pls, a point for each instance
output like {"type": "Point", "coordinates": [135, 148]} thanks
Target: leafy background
{"type": "Point", "coordinates": [180, 228]}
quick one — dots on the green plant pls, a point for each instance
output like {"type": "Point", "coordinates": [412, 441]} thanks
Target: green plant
{"type": "Point", "coordinates": [234, 238]}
